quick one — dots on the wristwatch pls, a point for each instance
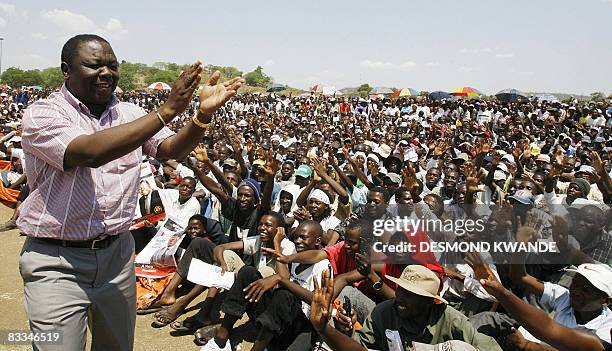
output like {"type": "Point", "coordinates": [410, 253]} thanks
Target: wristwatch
{"type": "Point", "coordinates": [378, 285]}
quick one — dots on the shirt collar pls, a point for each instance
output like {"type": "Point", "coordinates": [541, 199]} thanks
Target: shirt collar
{"type": "Point", "coordinates": [77, 104]}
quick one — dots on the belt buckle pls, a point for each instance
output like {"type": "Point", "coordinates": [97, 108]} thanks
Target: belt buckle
{"type": "Point", "coordinates": [93, 244]}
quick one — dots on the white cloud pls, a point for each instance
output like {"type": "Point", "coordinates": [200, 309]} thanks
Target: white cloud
{"type": "Point", "coordinates": [39, 36]}
{"type": "Point", "coordinates": [465, 69]}
{"type": "Point", "coordinates": [70, 21]}
{"type": "Point", "coordinates": [408, 64]}
{"type": "Point", "coordinates": [432, 64]}
{"type": "Point", "coordinates": [269, 62]}
{"type": "Point", "coordinates": [378, 64]}
{"type": "Point", "coordinates": [505, 55]}
{"type": "Point", "coordinates": [115, 28]}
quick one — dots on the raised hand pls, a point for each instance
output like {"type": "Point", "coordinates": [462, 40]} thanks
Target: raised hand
{"type": "Point", "coordinates": [410, 179]}
{"type": "Point", "coordinates": [201, 154]}
{"type": "Point", "coordinates": [182, 91]}
{"type": "Point", "coordinates": [321, 307]}
{"type": "Point", "coordinates": [214, 94]}
{"type": "Point", "coordinates": [560, 233]}
{"type": "Point", "coordinates": [317, 165]}
{"type": "Point", "coordinates": [484, 274]}
{"type": "Point", "coordinates": [526, 232]}
{"type": "Point", "coordinates": [598, 163]}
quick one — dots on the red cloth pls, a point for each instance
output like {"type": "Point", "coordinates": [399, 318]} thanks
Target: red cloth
{"type": "Point", "coordinates": [342, 262]}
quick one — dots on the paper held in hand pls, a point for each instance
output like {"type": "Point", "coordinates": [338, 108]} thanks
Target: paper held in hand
{"type": "Point", "coordinates": [205, 274]}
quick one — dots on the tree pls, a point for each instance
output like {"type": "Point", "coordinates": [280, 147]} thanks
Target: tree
{"type": "Point", "coordinates": [258, 78]}
{"type": "Point", "coordinates": [16, 77]}
{"type": "Point", "coordinates": [162, 76]}
{"type": "Point", "coordinates": [364, 90]}
{"type": "Point", "coordinates": [597, 96]}
{"type": "Point", "coordinates": [52, 77]}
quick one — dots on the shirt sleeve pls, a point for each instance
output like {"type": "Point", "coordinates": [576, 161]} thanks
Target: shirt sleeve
{"type": "Point", "coordinates": [333, 255]}
{"type": "Point", "coordinates": [47, 132]}
{"type": "Point", "coordinates": [287, 247]}
{"type": "Point", "coordinates": [553, 295]}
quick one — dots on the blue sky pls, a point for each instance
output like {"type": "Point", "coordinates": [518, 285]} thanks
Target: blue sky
{"type": "Point", "coordinates": [538, 45]}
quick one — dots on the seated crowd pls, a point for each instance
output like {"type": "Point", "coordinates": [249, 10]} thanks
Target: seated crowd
{"type": "Point", "coordinates": [313, 177]}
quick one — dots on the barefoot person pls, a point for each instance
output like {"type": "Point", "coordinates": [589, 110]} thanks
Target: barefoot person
{"type": "Point", "coordinates": [84, 148]}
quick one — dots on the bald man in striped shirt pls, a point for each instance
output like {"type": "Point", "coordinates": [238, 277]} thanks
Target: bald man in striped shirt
{"type": "Point", "coordinates": [84, 148]}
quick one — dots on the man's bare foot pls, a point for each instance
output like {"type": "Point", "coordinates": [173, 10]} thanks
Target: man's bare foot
{"type": "Point", "coordinates": [169, 314]}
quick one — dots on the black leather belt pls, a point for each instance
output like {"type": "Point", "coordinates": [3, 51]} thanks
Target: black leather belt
{"type": "Point", "coordinates": [93, 244]}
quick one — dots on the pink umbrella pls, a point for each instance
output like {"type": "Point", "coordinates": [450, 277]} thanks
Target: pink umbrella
{"type": "Point", "coordinates": [159, 86]}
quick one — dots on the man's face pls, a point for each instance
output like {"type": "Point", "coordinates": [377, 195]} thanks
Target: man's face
{"type": "Point", "coordinates": [451, 179]}
{"type": "Point", "coordinates": [584, 296]}
{"type": "Point", "coordinates": [291, 153]}
{"type": "Point", "coordinates": [410, 305]}
{"type": "Point", "coordinates": [246, 197]}
{"type": "Point", "coordinates": [573, 191]}
{"type": "Point", "coordinates": [186, 189]}
{"type": "Point", "coordinates": [306, 237]}
{"type": "Point", "coordinates": [316, 208]}
{"type": "Point", "coordinates": [376, 205]}
{"type": "Point", "coordinates": [352, 240]}
{"type": "Point", "coordinates": [144, 188]}
{"type": "Point", "coordinates": [287, 171]}
{"type": "Point", "coordinates": [93, 73]}
{"type": "Point", "coordinates": [195, 228]}
{"type": "Point", "coordinates": [267, 228]}
{"type": "Point", "coordinates": [232, 178]}
{"type": "Point", "coordinates": [224, 153]}
{"type": "Point", "coordinates": [433, 176]}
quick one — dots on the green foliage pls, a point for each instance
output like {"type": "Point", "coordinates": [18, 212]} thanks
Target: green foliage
{"type": "Point", "coordinates": [16, 77]}
{"type": "Point", "coordinates": [133, 76]}
{"type": "Point", "coordinates": [598, 96]}
{"type": "Point", "coordinates": [52, 77]}
{"type": "Point", "coordinates": [258, 78]}
{"type": "Point", "coordinates": [364, 90]}
{"type": "Point", "coordinates": [226, 72]}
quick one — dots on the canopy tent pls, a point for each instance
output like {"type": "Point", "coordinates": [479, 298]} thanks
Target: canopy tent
{"type": "Point", "coordinates": [159, 86]}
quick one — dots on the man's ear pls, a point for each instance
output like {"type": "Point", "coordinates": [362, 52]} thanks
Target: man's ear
{"type": "Point", "coordinates": [65, 70]}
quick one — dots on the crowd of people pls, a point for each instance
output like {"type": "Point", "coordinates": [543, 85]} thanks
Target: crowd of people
{"type": "Point", "coordinates": [285, 192]}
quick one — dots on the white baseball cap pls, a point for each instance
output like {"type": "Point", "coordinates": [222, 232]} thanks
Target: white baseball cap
{"type": "Point", "coordinates": [600, 275]}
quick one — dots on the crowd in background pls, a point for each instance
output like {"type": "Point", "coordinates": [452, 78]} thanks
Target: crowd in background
{"type": "Point", "coordinates": [310, 175]}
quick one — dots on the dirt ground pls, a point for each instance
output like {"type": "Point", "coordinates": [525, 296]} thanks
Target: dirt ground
{"type": "Point", "coordinates": [12, 313]}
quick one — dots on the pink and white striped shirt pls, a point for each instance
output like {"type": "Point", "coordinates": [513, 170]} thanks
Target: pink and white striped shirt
{"type": "Point", "coordinates": [81, 203]}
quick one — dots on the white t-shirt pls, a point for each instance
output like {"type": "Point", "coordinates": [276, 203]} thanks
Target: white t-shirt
{"type": "Point", "coordinates": [250, 248]}
{"type": "Point", "coordinates": [305, 278]}
{"type": "Point", "coordinates": [180, 213]}
{"type": "Point", "coordinates": [557, 298]}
